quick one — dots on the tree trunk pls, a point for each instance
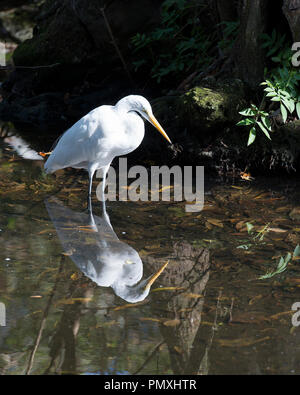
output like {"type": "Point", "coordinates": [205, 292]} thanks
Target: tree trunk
{"type": "Point", "coordinates": [291, 10]}
{"type": "Point", "coordinates": [226, 10]}
{"type": "Point", "coordinates": [249, 56]}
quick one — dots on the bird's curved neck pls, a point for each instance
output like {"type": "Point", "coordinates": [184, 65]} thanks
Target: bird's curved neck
{"type": "Point", "coordinates": [124, 106]}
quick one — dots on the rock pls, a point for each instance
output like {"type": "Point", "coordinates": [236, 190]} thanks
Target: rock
{"type": "Point", "coordinates": [203, 121]}
{"type": "Point", "coordinates": [209, 108]}
{"type": "Point", "coordinates": [16, 24]}
{"type": "Point", "coordinates": [75, 35]}
{"type": "Point", "coordinates": [71, 54]}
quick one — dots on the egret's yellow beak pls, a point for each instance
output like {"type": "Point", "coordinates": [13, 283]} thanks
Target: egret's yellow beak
{"type": "Point", "coordinates": [156, 124]}
{"type": "Point", "coordinates": [156, 275]}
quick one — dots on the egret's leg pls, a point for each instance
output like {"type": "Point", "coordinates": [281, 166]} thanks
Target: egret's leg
{"type": "Point", "coordinates": [104, 182]}
{"type": "Point", "coordinates": [89, 201]}
{"type": "Point", "coordinates": [91, 174]}
{"type": "Point", "coordinates": [89, 205]}
{"type": "Point", "coordinates": [104, 174]}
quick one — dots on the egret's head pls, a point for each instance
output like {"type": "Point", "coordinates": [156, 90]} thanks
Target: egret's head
{"type": "Point", "coordinates": [141, 105]}
{"type": "Point", "coordinates": [137, 292]}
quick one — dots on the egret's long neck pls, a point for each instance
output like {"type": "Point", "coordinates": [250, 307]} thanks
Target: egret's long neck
{"type": "Point", "coordinates": [123, 105]}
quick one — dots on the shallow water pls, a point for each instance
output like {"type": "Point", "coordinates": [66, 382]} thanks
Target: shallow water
{"type": "Point", "coordinates": [71, 285]}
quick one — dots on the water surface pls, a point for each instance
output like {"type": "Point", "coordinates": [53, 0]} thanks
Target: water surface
{"type": "Point", "coordinates": [74, 285]}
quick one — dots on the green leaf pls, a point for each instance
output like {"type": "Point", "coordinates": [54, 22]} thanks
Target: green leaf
{"type": "Point", "coordinates": [298, 109]}
{"type": "Point", "coordinates": [246, 122]}
{"type": "Point", "coordinates": [284, 93]}
{"type": "Point", "coordinates": [283, 113]}
{"type": "Point", "coordinates": [264, 129]}
{"type": "Point", "coordinates": [273, 35]}
{"type": "Point", "coordinates": [254, 108]}
{"type": "Point", "coordinates": [252, 136]}
{"type": "Point", "coordinates": [249, 227]}
{"type": "Point", "coordinates": [296, 252]}
{"type": "Point", "coordinates": [281, 267]}
{"type": "Point", "coordinates": [271, 94]}
{"type": "Point", "coordinates": [293, 106]}
{"type": "Point", "coordinates": [244, 246]}
{"type": "Point", "coordinates": [275, 98]}
{"type": "Point", "coordinates": [286, 260]}
{"type": "Point", "coordinates": [289, 104]}
{"type": "Point", "coordinates": [267, 123]}
{"type": "Point", "coordinates": [263, 113]}
{"type": "Point", "coordinates": [247, 112]}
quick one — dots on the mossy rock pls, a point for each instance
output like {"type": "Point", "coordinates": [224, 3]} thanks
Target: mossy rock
{"type": "Point", "coordinates": [206, 108]}
{"type": "Point", "coordinates": [203, 122]}
{"type": "Point", "coordinates": [56, 42]}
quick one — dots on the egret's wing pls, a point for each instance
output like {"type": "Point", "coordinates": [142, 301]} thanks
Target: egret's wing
{"type": "Point", "coordinates": [88, 140]}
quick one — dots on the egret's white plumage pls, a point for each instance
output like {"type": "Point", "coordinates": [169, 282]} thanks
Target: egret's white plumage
{"type": "Point", "coordinates": [97, 251]}
{"type": "Point", "coordinates": [105, 132]}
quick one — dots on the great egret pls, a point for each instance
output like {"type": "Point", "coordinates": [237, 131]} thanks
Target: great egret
{"type": "Point", "coordinates": [102, 134]}
{"type": "Point", "coordinates": [93, 246]}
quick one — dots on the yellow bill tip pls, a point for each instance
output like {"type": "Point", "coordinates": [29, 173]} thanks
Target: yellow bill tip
{"type": "Point", "coordinates": [157, 125]}
{"type": "Point", "coordinates": [155, 276]}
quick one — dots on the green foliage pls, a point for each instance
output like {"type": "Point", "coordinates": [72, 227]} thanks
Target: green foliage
{"type": "Point", "coordinates": [256, 119]}
{"type": "Point", "coordinates": [230, 32]}
{"type": "Point", "coordinates": [282, 80]}
{"type": "Point", "coordinates": [256, 237]}
{"type": "Point", "coordinates": [273, 44]}
{"type": "Point", "coordinates": [261, 233]}
{"type": "Point", "coordinates": [282, 264]}
{"type": "Point", "coordinates": [177, 47]}
{"type": "Point", "coordinates": [281, 86]}
{"type": "Point", "coordinates": [288, 102]}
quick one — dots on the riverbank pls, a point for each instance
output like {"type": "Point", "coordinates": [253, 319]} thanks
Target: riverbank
{"type": "Point", "coordinates": [56, 79]}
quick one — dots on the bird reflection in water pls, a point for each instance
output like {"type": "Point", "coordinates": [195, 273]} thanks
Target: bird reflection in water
{"type": "Point", "coordinates": [93, 246]}
{"type": "Point", "coordinates": [21, 147]}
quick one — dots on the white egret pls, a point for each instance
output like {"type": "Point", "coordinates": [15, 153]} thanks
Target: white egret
{"type": "Point", "coordinates": [93, 246]}
{"type": "Point", "coordinates": [102, 134]}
